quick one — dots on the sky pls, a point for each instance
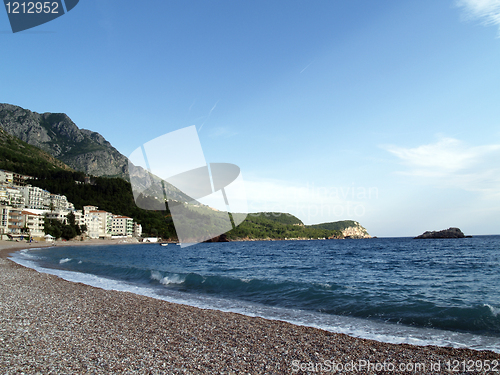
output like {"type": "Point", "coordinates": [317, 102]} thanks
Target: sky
{"type": "Point", "coordinates": [384, 112]}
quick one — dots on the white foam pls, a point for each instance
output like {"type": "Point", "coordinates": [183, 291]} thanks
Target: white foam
{"type": "Point", "coordinates": [362, 328]}
{"type": "Point", "coordinates": [494, 310]}
{"type": "Point", "coordinates": [166, 280]}
{"type": "Point", "coordinates": [65, 260]}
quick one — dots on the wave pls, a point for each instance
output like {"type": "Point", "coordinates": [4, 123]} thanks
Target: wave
{"type": "Point", "coordinates": [167, 280]}
{"type": "Point", "coordinates": [495, 311]}
{"type": "Point", "coordinates": [65, 260]}
{"type": "Point", "coordinates": [337, 300]}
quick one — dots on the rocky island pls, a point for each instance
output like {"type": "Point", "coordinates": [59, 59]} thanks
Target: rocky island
{"type": "Point", "coordinates": [446, 233]}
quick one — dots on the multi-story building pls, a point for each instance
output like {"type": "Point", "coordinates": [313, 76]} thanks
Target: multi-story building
{"type": "Point", "coordinates": [6, 176]}
{"type": "Point", "coordinates": [58, 202]}
{"type": "Point", "coordinates": [137, 230]}
{"type": "Point", "coordinates": [13, 178]}
{"type": "Point", "coordinates": [34, 224]}
{"type": "Point", "coordinates": [15, 197]}
{"type": "Point", "coordinates": [4, 197]}
{"type": "Point", "coordinates": [79, 218]}
{"type": "Point", "coordinates": [19, 179]}
{"type": "Point", "coordinates": [104, 219]}
{"type": "Point", "coordinates": [122, 226]}
{"type": "Point", "coordinates": [35, 197]}
{"type": "Point", "coordinates": [93, 224]}
{"type": "Point", "coordinates": [60, 215]}
{"type": "Point", "coordinates": [15, 221]}
{"type": "Point", "coordinates": [4, 221]}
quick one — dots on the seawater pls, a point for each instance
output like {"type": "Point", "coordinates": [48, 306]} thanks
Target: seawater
{"type": "Point", "coordinates": [442, 292]}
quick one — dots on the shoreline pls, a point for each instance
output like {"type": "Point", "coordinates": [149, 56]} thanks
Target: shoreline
{"type": "Point", "coordinates": [49, 324]}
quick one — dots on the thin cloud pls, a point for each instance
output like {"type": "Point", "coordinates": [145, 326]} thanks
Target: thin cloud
{"type": "Point", "coordinates": [222, 132]}
{"type": "Point", "coordinates": [488, 11]}
{"type": "Point", "coordinates": [208, 116]}
{"type": "Point", "coordinates": [452, 163]}
{"type": "Point", "coordinates": [308, 65]}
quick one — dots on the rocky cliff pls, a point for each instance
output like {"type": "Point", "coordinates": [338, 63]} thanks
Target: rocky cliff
{"type": "Point", "coordinates": [349, 228]}
{"type": "Point", "coordinates": [355, 231]}
{"type": "Point", "coordinates": [55, 133]}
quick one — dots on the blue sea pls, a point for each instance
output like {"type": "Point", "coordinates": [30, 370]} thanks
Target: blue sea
{"type": "Point", "coordinates": [443, 292]}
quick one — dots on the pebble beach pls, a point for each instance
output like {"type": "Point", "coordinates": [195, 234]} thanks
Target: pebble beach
{"type": "Point", "coordinates": [52, 326]}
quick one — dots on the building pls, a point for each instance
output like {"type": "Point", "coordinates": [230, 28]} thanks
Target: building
{"type": "Point", "coordinates": [4, 197]}
{"type": "Point", "coordinates": [137, 230]}
{"type": "Point", "coordinates": [122, 226]}
{"type": "Point", "coordinates": [58, 202]}
{"type": "Point", "coordinates": [15, 221]}
{"type": "Point", "coordinates": [60, 215]}
{"type": "Point", "coordinates": [13, 178]}
{"type": "Point", "coordinates": [19, 179]}
{"type": "Point", "coordinates": [4, 221]}
{"type": "Point", "coordinates": [15, 197]}
{"type": "Point", "coordinates": [93, 224]}
{"type": "Point", "coordinates": [35, 197]}
{"type": "Point", "coordinates": [94, 217]}
{"type": "Point", "coordinates": [6, 177]}
{"type": "Point", "coordinates": [79, 218]}
{"type": "Point", "coordinates": [34, 224]}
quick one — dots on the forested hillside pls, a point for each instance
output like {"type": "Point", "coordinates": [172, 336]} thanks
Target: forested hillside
{"type": "Point", "coordinates": [18, 156]}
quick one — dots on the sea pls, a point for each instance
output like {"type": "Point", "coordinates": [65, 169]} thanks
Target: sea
{"type": "Point", "coordinates": [443, 292]}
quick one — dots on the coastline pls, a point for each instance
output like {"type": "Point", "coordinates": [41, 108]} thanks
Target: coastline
{"type": "Point", "coordinates": [52, 325]}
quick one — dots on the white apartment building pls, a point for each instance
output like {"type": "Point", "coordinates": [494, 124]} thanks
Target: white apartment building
{"type": "Point", "coordinates": [4, 197]}
{"type": "Point", "coordinates": [35, 197]}
{"type": "Point", "coordinates": [94, 217]}
{"type": "Point", "coordinates": [122, 226]}
{"type": "Point", "coordinates": [93, 223]}
{"type": "Point", "coordinates": [34, 223]}
{"type": "Point", "coordinates": [79, 218]}
{"type": "Point", "coordinates": [58, 202]}
{"type": "Point", "coordinates": [6, 176]}
{"type": "Point", "coordinates": [15, 197]}
{"type": "Point", "coordinates": [4, 221]}
{"type": "Point", "coordinates": [137, 230]}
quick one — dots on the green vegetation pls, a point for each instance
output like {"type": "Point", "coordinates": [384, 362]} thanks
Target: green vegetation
{"type": "Point", "coordinates": [337, 225]}
{"type": "Point", "coordinates": [279, 217]}
{"type": "Point", "coordinates": [265, 225]}
{"type": "Point", "coordinates": [59, 229]}
{"type": "Point", "coordinates": [18, 156]}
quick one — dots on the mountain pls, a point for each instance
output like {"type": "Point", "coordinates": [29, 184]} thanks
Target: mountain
{"type": "Point", "coordinates": [18, 156]}
{"type": "Point", "coordinates": [83, 150]}
{"type": "Point", "coordinates": [55, 133]}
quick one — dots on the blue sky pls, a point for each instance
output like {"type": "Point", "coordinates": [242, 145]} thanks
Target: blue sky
{"type": "Point", "coordinates": [382, 112]}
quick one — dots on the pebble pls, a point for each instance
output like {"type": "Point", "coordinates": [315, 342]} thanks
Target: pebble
{"type": "Point", "coordinates": [52, 326]}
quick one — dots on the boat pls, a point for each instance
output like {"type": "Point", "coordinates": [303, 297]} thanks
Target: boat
{"type": "Point", "coordinates": [164, 244]}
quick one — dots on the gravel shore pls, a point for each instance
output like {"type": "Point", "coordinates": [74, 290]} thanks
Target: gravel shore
{"type": "Point", "coordinates": [52, 326]}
